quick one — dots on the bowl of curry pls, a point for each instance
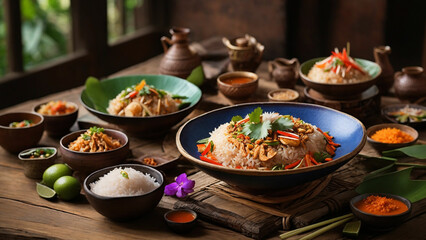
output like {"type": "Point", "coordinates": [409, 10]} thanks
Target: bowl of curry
{"type": "Point", "coordinates": [381, 211]}
{"type": "Point", "coordinates": [238, 85]}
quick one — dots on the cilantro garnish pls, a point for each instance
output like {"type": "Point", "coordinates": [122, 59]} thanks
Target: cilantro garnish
{"type": "Point", "coordinates": [85, 137]}
{"type": "Point", "coordinates": [94, 130]}
{"type": "Point", "coordinates": [282, 124]}
{"type": "Point", "coordinates": [255, 115]}
{"type": "Point", "coordinates": [257, 130]}
{"type": "Point", "coordinates": [321, 156]}
{"type": "Point", "coordinates": [236, 118]}
{"type": "Point", "coordinates": [145, 90]}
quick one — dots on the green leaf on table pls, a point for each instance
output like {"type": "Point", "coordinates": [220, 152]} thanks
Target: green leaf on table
{"type": "Point", "coordinates": [197, 76]}
{"type": "Point", "coordinates": [415, 151]}
{"type": "Point", "coordinates": [96, 94]}
{"type": "Point", "coordinates": [398, 183]}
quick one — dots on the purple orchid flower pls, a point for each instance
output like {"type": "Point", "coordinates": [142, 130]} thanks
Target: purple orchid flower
{"type": "Point", "coordinates": [181, 187]}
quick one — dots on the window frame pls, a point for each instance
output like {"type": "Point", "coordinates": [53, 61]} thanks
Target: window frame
{"type": "Point", "coordinates": [91, 54]}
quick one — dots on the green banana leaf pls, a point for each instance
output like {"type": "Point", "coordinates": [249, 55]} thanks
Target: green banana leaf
{"type": "Point", "coordinates": [96, 94]}
{"type": "Point", "coordinates": [397, 182]}
{"type": "Point", "coordinates": [415, 151]}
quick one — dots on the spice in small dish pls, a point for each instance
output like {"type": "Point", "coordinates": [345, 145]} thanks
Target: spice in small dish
{"type": "Point", "coordinates": [38, 153]}
{"type": "Point", "coordinates": [391, 135]}
{"type": "Point", "coordinates": [380, 205]}
{"type": "Point", "coordinates": [150, 161]}
{"type": "Point", "coordinates": [283, 95]}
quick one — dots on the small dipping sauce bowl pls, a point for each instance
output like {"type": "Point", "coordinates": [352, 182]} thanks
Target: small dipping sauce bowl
{"type": "Point", "coordinates": [381, 146]}
{"type": "Point", "coordinates": [238, 85]}
{"type": "Point", "coordinates": [181, 220]}
{"type": "Point", "coordinates": [382, 222]}
{"type": "Point", "coordinates": [283, 95]}
{"type": "Point", "coordinates": [36, 160]}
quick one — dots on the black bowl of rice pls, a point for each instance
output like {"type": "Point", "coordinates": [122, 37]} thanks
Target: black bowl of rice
{"type": "Point", "coordinates": [124, 192]}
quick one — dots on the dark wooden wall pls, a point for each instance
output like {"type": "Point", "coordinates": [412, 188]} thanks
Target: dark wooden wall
{"type": "Point", "coordinates": [312, 28]}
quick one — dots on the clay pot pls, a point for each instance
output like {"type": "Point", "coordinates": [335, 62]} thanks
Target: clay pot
{"type": "Point", "coordinates": [386, 79]}
{"type": "Point", "coordinates": [179, 60]}
{"type": "Point", "coordinates": [245, 53]}
{"type": "Point", "coordinates": [410, 84]}
{"type": "Point", "coordinates": [284, 72]}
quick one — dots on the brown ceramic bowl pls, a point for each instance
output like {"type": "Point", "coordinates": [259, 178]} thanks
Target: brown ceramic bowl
{"type": "Point", "coordinates": [342, 90]}
{"type": "Point", "coordinates": [128, 207]}
{"type": "Point", "coordinates": [380, 222]}
{"type": "Point", "coordinates": [87, 162]}
{"type": "Point", "coordinates": [35, 167]}
{"type": "Point", "coordinates": [387, 146]}
{"type": "Point", "coordinates": [58, 125]}
{"type": "Point", "coordinates": [283, 95]}
{"type": "Point", "coordinates": [15, 140]}
{"type": "Point", "coordinates": [238, 91]}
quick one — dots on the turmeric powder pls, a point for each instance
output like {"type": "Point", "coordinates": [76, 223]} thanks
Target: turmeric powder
{"type": "Point", "coordinates": [391, 135]}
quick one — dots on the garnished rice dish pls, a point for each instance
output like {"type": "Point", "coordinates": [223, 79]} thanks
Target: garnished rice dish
{"type": "Point", "coordinates": [143, 100]}
{"type": "Point", "coordinates": [121, 182]}
{"type": "Point", "coordinates": [267, 141]}
{"type": "Point", "coordinates": [339, 68]}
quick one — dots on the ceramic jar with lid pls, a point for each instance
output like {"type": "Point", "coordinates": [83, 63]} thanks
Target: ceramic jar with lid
{"type": "Point", "coordinates": [410, 84]}
{"type": "Point", "coordinates": [179, 59]}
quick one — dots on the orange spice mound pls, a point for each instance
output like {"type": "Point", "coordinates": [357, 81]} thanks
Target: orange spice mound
{"type": "Point", "coordinates": [391, 135]}
{"type": "Point", "coordinates": [381, 205]}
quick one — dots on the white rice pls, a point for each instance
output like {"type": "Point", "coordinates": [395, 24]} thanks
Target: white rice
{"type": "Point", "coordinates": [113, 184]}
{"type": "Point", "coordinates": [228, 155]}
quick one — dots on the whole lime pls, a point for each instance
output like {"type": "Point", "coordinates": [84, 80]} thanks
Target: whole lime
{"type": "Point", "coordinates": [67, 188]}
{"type": "Point", "coordinates": [52, 173]}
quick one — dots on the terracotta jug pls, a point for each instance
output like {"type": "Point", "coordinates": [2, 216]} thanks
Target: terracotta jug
{"type": "Point", "coordinates": [179, 60]}
{"type": "Point", "coordinates": [386, 78]}
{"type": "Point", "coordinates": [284, 72]}
{"type": "Point", "coordinates": [410, 84]}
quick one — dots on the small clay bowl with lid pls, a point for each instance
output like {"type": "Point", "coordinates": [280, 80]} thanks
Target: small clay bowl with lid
{"type": "Point", "coordinates": [36, 160]}
{"type": "Point", "coordinates": [181, 220]}
{"type": "Point", "coordinates": [382, 222]}
{"type": "Point", "coordinates": [58, 125]}
{"type": "Point", "coordinates": [238, 85]}
{"type": "Point", "coordinates": [283, 95]}
{"type": "Point", "coordinates": [381, 146]}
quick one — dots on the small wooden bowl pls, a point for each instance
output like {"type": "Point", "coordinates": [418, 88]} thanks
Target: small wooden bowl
{"type": "Point", "coordinates": [238, 91]}
{"type": "Point", "coordinates": [58, 125]}
{"type": "Point", "coordinates": [283, 95]}
{"type": "Point", "coordinates": [380, 146]}
{"type": "Point", "coordinates": [181, 227]}
{"type": "Point", "coordinates": [380, 222]}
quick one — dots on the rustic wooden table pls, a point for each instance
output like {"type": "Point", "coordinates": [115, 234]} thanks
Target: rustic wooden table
{"type": "Point", "coordinates": [24, 215]}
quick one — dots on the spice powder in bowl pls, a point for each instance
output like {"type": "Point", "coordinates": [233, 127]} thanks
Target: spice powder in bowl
{"type": "Point", "coordinates": [392, 135]}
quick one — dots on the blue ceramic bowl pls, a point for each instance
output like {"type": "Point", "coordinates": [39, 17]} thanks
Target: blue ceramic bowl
{"type": "Point", "coordinates": [142, 126]}
{"type": "Point", "coordinates": [347, 130]}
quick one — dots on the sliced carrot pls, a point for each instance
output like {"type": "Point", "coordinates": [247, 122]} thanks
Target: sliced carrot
{"type": "Point", "coordinates": [210, 161]}
{"type": "Point", "coordinates": [328, 159]}
{"type": "Point", "coordinates": [333, 144]}
{"type": "Point", "coordinates": [308, 160]}
{"type": "Point", "coordinates": [293, 164]}
{"type": "Point", "coordinates": [201, 147]}
{"type": "Point", "coordinates": [207, 149]}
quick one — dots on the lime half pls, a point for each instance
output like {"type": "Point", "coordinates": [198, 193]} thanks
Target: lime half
{"type": "Point", "coordinates": [45, 191]}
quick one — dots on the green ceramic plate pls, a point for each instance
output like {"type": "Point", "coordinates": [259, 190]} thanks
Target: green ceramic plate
{"type": "Point", "coordinates": [341, 89]}
{"type": "Point", "coordinates": [95, 98]}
